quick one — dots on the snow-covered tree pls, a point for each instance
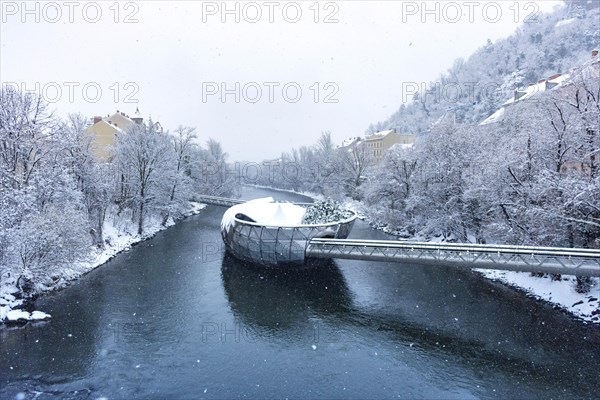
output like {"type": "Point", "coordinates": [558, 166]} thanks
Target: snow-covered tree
{"type": "Point", "coordinates": [55, 195]}
{"type": "Point", "coordinates": [183, 143]}
{"type": "Point", "coordinates": [353, 162]}
{"type": "Point", "coordinates": [211, 172]}
{"type": "Point", "coordinates": [43, 221]}
{"type": "Point", "coordinates": [389, 186]}
{"type": "Point", "coordinates": [25, 125]}
{"type": "Point", "coordinates": [93, 178]}
{"type": "Point", "coordinates": [145, 159]}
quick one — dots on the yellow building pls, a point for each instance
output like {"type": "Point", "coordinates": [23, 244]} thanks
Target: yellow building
{"type": "Point", "coordinates": [105, 130]}
{"type": "Point", "coordinates": [378, 143]}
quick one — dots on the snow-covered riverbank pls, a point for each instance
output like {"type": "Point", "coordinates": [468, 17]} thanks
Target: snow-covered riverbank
{"type": "Point", "coordinates": [560, 293]}
{"type": "Point", "coordinates": [119, 235]}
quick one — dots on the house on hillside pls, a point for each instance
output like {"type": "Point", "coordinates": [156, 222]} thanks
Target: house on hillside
{"type": "Point", "coordinates": [523, 94]}
{"type": "Point", "coordinates": [587, 159]}
{"type": "Point", "coordinates": [585, 165]}
{"type": "Point", "coordinates": [379, 142]}
{"type": "Point", "coordinates": [559, 82]}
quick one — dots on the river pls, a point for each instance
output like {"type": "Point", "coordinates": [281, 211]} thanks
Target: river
{"type": "Point", "coordinates": [176, 318]}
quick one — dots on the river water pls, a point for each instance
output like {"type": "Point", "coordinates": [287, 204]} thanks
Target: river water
{"type": "Point", "coordinates": [176, 318]}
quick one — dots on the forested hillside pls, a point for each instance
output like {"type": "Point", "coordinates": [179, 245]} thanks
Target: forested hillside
{"type": "Point", "coordinates": [472, 89]}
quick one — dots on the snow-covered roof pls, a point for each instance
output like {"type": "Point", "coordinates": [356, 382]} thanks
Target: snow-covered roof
{"type": "Point", "coordinates": [379, 135]}
{"type": "Point", "coordinates": [350, 141]}
{"type": "Point", "coordinates": [588, 70]}
{"type": "Point", "coordinates": [495, 117]}
{"type": "Point", "coordinates": [565, 22]}
{"type": "Point", "coordinates": [538, 87]}
{"type": "Point", "coordinates": [551, 83]}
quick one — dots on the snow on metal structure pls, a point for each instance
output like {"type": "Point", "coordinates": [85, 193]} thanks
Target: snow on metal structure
{"type": "Point", "coordinates": [568, 261]}
{"type": "Point", "coordinates": [270, 233]}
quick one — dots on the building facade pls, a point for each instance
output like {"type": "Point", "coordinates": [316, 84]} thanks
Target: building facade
{"type": "Point", "coordinates": [378, 143]}
{"type": "Point", "coordinates": [104, 130]}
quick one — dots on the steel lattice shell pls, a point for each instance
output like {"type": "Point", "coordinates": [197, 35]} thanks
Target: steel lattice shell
{"type": "Point", "coordinates": [275, 245]}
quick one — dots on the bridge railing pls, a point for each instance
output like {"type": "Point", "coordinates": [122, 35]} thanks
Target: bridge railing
{"type": "Point", "coordinates": [490, 248]}
{"type": "Point", "coordinates": [584, 262]}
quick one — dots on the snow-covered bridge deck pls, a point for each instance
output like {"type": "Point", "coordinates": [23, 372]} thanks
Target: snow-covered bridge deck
{"type": "Point", "coordinates": [568, 261]}
{"type": "Point", "coordinates": [218, 201]}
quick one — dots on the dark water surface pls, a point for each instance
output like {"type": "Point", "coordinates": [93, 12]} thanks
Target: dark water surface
{"type": "Point", "coordinates": [175, 318]}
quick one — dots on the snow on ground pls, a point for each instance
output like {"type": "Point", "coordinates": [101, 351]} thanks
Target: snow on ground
{"type": "Point", "coordinates": [119, 234]}
{"type": "Point", "coordinates": [7, 299]}
{"type": "Point", "coordinates": [355, 206]}
{"type": "Point", "coordinates": [16, 315]}
{"type": "Point", "coordinates": [565, 22]}
{"type": "Point", "coordinates": [561, 293]}
{"type": "Point", "coordinates": [312, 195]}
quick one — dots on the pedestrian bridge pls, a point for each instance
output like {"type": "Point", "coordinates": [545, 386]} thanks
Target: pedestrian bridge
{"type": "Point", "coordinates": [568, 261]}
{"type": "Point", "coordinates": [217, 201]}
{"type": "Point", "coordinates": [554, 260]}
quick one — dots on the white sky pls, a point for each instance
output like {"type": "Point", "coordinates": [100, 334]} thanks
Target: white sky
{"type": "Point", "coordinates": [178, 52]}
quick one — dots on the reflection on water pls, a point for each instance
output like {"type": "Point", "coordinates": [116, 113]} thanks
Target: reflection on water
{"type": "Point", "coordinates": [276, 299]}
{"type": "Point", "coordinates": [317, 302]}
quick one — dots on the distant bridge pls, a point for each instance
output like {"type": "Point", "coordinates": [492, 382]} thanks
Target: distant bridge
{"type": "Point", "coordinates": [218, 201]}
{"type": "Point", "coordinates": [555, 260]}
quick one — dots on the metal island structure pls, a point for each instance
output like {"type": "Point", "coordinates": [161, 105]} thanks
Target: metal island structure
{"type": "Point", "coordinates": [272, 233]}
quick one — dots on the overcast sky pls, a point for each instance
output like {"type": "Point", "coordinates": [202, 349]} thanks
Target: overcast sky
{"type": "Point", "coordinates": [353, 61]}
